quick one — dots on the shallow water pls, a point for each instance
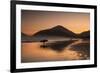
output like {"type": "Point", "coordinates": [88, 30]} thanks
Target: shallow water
{"type": "Point", "coordinates": [55, 51]}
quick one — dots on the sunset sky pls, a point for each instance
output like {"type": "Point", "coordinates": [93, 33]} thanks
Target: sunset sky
{"type": "Point", "coordinates": [34, 21]}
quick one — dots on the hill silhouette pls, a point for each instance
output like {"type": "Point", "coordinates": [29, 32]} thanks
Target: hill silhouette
{"type": "Point", "coordinates": [85, 34]}
{"type": "Point", "coordinates": [25, 37]}
{"type": "Point", "coordinates": [58, 31]}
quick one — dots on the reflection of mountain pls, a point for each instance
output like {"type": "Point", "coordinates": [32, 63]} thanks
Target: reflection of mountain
{"type": "Point", "coordinates": [57, 46]}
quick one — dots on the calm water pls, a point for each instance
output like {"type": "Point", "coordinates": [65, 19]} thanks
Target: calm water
{"type": "Point", "coordinates": [55, 51]}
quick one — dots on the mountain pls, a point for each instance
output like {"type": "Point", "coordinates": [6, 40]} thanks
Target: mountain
{"type": "Point", "coordinates": [57, 31]}
{"type": "Point", "coordinates": [25, 38]}
{"type": "Point", "coordinates": [85, 34]}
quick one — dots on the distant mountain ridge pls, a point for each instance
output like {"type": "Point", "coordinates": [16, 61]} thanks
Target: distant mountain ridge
{"type": "Point", "coordinates": [57, 31]}
{"type": "Point", "coordinates": [85, 34]}
{"type": "Point", "coordinates": [25, 38]}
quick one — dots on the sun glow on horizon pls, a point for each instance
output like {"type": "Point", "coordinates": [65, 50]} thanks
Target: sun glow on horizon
{"type": "Point", "coordinates": [34, 21]}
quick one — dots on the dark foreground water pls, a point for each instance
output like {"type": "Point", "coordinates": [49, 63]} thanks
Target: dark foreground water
{"type": "Point", "coordinates": [55, 51]}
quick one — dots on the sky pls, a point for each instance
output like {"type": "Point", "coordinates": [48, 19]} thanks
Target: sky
{"type": "Point", "coordinates": [33, 21]}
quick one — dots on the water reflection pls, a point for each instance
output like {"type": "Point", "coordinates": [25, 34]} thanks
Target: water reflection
{"type": "Point", "coordinates": [55, 51]}
{"type": "Point", "coordinates": [57, 46]}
